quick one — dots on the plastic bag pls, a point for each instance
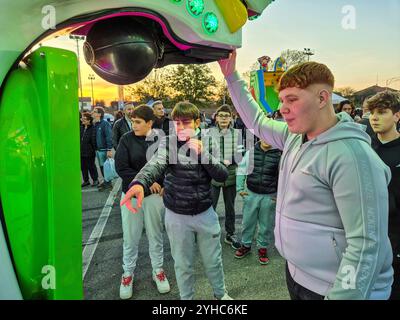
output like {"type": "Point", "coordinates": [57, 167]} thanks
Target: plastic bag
{"type": "Point", "coordinates": [109, 170]}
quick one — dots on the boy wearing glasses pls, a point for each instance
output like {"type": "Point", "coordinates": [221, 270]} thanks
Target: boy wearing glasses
{"type": "Point", "coordinates": [230, 148]}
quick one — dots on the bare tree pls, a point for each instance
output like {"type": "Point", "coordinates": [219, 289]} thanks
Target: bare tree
{"type": "Point", "coordinates": [155, 85]}
{"type": "Point", "coordinates": [293, 57]}
{"type": "Point", "coordinates": [346, 92]}
{"type": "Point", "coordinates": [192, 82]}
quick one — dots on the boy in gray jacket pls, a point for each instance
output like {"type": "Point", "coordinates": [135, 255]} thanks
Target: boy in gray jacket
{"type": "Point", "coordinates": [332, 204]}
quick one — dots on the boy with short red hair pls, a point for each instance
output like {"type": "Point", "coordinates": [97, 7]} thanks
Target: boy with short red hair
{"type": "Point", "coordinates": [332, 204]}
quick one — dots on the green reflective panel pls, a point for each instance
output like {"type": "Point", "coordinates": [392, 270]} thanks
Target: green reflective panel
{"type": "Point", "coordinates": [40, 174]}
{"type": "Point", "coordinates": [210, 22]}
{"type": "Point", "coordinates": [195, 7]}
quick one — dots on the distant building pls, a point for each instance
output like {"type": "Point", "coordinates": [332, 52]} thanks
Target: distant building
{"type": "Point", "coordinates": [85, 104]}
{"type": "Point", "coordinates": [359, 96]}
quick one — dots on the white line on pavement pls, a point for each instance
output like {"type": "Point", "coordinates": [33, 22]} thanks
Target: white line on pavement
{"type": "Point", "coordinates": [95, 236]}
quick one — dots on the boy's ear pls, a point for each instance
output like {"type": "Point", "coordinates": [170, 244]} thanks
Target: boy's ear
{"type": "Point", "coordinates": [397, 116]}
{"type": "Point", "coordinates": [324, 96]}
{"type": "Point", "coordinates": [197, 123]}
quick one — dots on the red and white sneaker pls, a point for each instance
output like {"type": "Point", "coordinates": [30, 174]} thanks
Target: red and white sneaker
{"type": "Point", "coordinates": [125, 289]}
{"type": "Point", "coordinates": [262, 256]}
{"type": "Point", "coordinates": [161, 281]}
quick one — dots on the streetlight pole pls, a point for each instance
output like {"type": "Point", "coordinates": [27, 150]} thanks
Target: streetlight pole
{"type": "Point", "coordinates": [77, 38]}
{"type": "Point", "coordinates": [308, 52]}
{"type": "Point", "coordinates": [91, 78]}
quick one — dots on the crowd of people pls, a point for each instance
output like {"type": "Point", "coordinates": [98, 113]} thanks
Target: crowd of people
{"type": "Point", "coordinates": [319, 184]}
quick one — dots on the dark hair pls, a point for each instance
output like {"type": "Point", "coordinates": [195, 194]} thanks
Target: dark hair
{"type": "Point", "coordinates": [384, 100]}
{"type": "Point", "coordinates": [88, 116]}
{"type": "Point", "coordinates": [118, 115]}
{"type": "Point", "coordinates": [156, 103]}
{"type": "Point", "coordinates": [305, 74]}
{"type": "Point", "coordinates": [186, 110]}
{"type": "Point", "coordinates": [224, 108]}
{"type": "Point", "coordinates": [100, 110]}
{"type": "Point", "coordinates": [143, 112]}
{"type": "Point", "coordinates": [343, 103]}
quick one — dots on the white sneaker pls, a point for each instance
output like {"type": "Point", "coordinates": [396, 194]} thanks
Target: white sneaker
{"type": "Point", "coordinates": [161, 281]}
{"type": "Point", "coordinates": [125, 289]}
{"type": "Point", "coordinates": [225, 297]}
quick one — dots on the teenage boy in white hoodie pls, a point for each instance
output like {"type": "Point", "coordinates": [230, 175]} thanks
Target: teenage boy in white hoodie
{"type": "Point", "coordinates": [332, 204]}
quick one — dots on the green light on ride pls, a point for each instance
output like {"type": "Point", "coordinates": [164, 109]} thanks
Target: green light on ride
{"type": "Point", "coordinates": [210, 23]}
{"type": "Point", "coordinates": [195, 7]}
{"type": "Point", "coordinates": [254, 17]}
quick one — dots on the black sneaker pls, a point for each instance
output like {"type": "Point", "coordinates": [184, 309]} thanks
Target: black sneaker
{"type": "Point", "coordinates": [85, 184]}
{"type": "Point", "coordinates": [231, 239]}
{"type": "Point", "coordinates": [242, 252]}
{"type": "Point", "coordinates": [104, 186]}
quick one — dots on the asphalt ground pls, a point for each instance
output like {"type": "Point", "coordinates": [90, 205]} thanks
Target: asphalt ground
{"type": "Point", "coordinates": [246, 279]}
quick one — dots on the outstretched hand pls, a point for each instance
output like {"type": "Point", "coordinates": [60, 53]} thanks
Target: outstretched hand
{"type": "Point", "coordinates": [137, 192]}
{"type": "Point", "coordinates": [228, 66]}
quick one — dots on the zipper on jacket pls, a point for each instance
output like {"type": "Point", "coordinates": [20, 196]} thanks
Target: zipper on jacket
{"type": "Point", "coordinates": [284, 191]}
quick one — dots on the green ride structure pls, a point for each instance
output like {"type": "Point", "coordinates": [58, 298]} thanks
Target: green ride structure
{"type": "Point", "coordinates": [40, 193]}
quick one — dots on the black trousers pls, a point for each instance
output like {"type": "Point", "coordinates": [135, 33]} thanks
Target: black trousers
{"type": "Point", "coordinates": [395, 295]}
{"type": "Point", "coordinates": [298, 292]}
{"type": "Point", "coordinates": [88, 166]}
{"type": "Point", "coordinates": [229, 194]}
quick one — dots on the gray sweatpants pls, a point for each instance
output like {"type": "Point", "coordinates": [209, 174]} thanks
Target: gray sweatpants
{"type": "Point", "coordinates": [184, 231]}
{"type": "Point", "coordinates": [151, 216]}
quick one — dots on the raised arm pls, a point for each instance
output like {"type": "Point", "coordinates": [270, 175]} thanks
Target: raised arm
{"type": "Point", "coordinates": [272, 131]}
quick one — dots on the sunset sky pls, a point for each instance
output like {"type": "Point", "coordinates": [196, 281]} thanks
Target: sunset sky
{"type": "Point", "coordinates": [359, 57]}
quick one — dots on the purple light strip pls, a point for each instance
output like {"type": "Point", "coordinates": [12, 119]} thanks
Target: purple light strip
{"type": "Point", "coordinates": [85, 27]}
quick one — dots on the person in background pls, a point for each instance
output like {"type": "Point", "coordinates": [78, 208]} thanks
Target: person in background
{"type": "Point", "coordinates": [231, 150]}
{"type": "Point", "coordinates": [257, 183]}
{"type": "Point", "coordinates": [103, 134]}
{"type": "Point", "coordinates": [122, 125]}
{"type": "Point", "coordinates": [88, 150]}
{"type": "Point", "coordinates": [365, 118]}
{"type": "Point", "coordinates": [118, 115]}
{"type": "Point", "coordinates": [346, 106]}
{"type": "Point", "coordinates": [385, 114]}
{"type": "Point", "coordinates": [160, 121]}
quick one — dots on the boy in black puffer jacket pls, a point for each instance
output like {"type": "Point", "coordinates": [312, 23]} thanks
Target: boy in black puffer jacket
{"type": "Point", "coordinates": [260, 169]}
{"type": "Point", "coordinates": [189, 217]}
